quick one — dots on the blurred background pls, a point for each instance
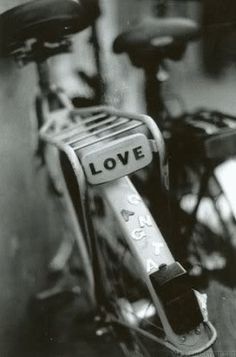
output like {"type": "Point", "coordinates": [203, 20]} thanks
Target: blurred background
{"type": "Point", "coordinates": [30, 220]}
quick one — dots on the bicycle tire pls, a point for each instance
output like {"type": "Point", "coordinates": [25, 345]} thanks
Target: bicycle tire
{"type": "Point", "coordinates": [120, 295]}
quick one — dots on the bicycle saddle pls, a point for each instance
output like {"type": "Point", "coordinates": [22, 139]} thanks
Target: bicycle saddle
{"type": "Point", "coordinates": [155, 39]}
{"type": "Point", "coordinates": [45, 20]}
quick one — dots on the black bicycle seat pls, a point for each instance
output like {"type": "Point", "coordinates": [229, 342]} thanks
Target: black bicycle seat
{"type": "Point", "coordinates": [155, 39]}
{"type": "Point", "coordinates": [45, 20]}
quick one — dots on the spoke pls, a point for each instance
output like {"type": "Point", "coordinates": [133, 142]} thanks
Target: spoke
{"type": "Point", "coordinates": [118, 272]}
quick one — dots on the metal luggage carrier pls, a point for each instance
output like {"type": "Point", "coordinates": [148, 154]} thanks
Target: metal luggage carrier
{"type": "Point", "coordinates": [97, 133]}
{"type": "Point", "coordinates": [208, 134]}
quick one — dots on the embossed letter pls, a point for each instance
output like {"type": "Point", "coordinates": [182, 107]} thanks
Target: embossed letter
{"type": "Point", "coordinates": [150, 264]}
{"type": "Point", "coordinates": [134, 199]}
{"type": "Point", "coordinates": [110, 163]}
{"type": "Point", "coordinates": [145, 221]}
{"type": "Point", "coordinates": [138, 154]}
{"type": "Point", "coordinates": [93, 169]}
{"type": "Point", "coordinates": [157, 246]}
{"type": "Point", "coordinates": [124, 158]}
{"type": "Point", "coordinates": [138, 234]}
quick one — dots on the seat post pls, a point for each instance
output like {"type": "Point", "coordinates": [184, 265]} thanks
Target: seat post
{"type": "Point", "coordinates": [44, 76]}
{"type": "Point", "coordinates": [154, 102]}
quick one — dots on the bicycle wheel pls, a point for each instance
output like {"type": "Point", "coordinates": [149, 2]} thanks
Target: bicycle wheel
{"type": "Point", "coordinates": [210, 228]}
{"type": "Point", "coordinates": [126, 304]}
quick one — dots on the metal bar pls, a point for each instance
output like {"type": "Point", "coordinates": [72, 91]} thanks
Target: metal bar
{"type": "Point", "coordinates": [124, 121]}
{"type": "Point", "coordinates": [44, 77]}
{"type": "Point", "coordinates": [121, 195]}
{"type": "Point", "coordinates": [78, 125]}
{"type": "Point", "coordinates": [89, 119]}
{"type": "Point", "coordinates": [75, 137]}
{"type": "Point", "coordinates": [204, 180]}
{"type": "Point", "coordinates": [107, 136]}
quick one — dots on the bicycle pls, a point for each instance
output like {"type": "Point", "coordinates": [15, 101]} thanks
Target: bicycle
{"type": "Point", "coordinates": [198, 144]}
{"type": "Point", "coordinates": [140, 294]}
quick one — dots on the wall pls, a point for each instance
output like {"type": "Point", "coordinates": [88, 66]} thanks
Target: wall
{"type": "Point", "coordinates": [27, 217]}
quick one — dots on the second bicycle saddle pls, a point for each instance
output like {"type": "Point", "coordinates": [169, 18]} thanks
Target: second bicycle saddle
{"type": "Point", "coordinates": [155, 39]}
{"type": "Point", "coordinates": [45, 20]}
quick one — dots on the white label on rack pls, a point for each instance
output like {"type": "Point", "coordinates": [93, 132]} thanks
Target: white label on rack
{"type": "Point", "coordinates": [116, 159]}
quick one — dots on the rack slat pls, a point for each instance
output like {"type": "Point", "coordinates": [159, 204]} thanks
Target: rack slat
{"type": "Point", "coordinates": [76, 126]}
{"type": "Point", "coordinates": [119, 132]}
{"type": "Point", "coordinates": [124, 121]}
{"type": "Point", "coordinates": [75, 136]}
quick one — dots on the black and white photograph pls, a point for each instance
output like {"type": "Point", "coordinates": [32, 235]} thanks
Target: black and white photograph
{"type": "Point", "coordinates": [117, 178]}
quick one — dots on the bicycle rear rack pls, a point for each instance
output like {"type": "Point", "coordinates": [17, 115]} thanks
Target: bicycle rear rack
{"type": "Point", "coordinates": [208, 134]}
{"type": "Point", "coordinates": [96, 130]}
{"type": "Point", "coordinates": [88, 124]}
